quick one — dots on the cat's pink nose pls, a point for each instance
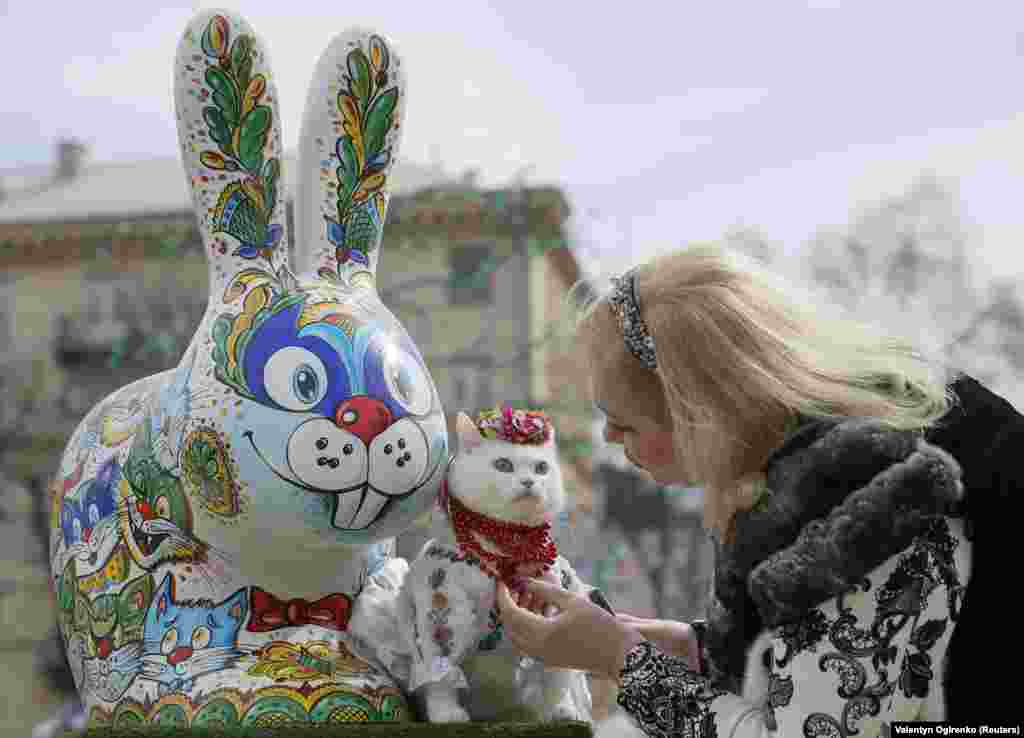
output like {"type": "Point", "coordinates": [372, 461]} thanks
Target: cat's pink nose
{"type": "Point", "coordinates": [362, 416]}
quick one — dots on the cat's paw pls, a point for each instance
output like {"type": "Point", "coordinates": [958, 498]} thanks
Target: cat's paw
{"type": "Point", "coordinates": [446, 712]}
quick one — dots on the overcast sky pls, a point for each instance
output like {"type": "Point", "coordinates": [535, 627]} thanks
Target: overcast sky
{"type": "Point", "coordinates": [665, 121]}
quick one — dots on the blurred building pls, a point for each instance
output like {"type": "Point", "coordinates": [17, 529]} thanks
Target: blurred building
{"type": "Point", "coordinates": [103, 280]}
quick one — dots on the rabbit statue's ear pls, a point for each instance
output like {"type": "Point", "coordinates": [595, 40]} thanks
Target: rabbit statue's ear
{"type": "Point", "coordinates": [349, 140]}
{"type": "Point", "coordinates": [230, 135]}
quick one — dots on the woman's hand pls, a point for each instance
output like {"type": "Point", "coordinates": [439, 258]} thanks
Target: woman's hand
{"type": "Point", "coordinates": [670, 636]}
{"type": "Point", "coordinates": [580, 635]}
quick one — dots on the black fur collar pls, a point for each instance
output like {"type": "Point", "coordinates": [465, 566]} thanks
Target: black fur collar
{"type": "Point", "coordinates": [844, 497]}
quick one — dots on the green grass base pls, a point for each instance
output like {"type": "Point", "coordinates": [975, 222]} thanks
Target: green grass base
{"type": "Point", "coordinates": [566, 729]}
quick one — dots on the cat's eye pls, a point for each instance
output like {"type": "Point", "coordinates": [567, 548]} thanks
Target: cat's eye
{"type": "Point", "coordinates": [170, 641]}
{"type": "Point", "coordinates": [200, 637]}
{"type": "Point", "coordinates": [541, 467]}
{"type": "Point", "coordinates": [504, 465]}
{"type": "Point", "coordinates": [163, 508]}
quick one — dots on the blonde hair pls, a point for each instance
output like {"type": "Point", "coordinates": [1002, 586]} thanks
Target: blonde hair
{"type": "Point", "coordinates": [740, 356]}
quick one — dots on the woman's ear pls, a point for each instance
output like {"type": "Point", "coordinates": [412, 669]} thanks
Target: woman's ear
{"type": "Point", "coordinates": [229, 131]}
{"type": "Point", "coordinates": [469, 436]}
{"type": "Point", "coordinates": [349, 141]}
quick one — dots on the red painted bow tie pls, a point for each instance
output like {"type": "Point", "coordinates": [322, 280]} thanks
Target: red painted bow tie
{"type": "Point", "coordinates": [270, 613]}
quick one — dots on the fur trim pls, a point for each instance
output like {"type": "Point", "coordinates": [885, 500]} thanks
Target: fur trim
{"type": "Point", "coordinates": [844, 498]}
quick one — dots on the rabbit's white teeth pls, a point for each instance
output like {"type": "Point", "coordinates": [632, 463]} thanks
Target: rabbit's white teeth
{"type": "Point", "coordinates": [356, 510]}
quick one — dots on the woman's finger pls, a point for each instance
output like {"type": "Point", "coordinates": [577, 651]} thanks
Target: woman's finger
{"type": "Point", "coordinates": [631, 618]}
{"type": "Point", "coordinates": [549, 592]}
{"type": "Point", "coordinates": [512, 615]}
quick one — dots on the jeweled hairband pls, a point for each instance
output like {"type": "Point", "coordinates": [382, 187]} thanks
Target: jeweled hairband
{"type": "Point", "coordinates": [626, 306]}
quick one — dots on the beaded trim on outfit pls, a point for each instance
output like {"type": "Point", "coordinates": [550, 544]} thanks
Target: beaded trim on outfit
{"type": "Point", "coordinates": [626, 306]}
{"type": "Point", "coordinates": [526, 550]}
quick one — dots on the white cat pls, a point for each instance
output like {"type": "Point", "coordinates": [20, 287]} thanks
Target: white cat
{"type": "Point", "coordinates": [504, 487]}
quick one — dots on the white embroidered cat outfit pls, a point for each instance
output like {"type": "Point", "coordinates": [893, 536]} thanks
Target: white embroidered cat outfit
{"type": "Point", "coordinates": [503, 488]}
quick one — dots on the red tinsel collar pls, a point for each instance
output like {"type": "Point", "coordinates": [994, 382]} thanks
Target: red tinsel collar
{"type": "Point", "coordinates": [528, 550]}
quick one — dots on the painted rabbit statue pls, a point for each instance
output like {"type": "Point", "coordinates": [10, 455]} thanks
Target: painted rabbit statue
{"type": "Point", "coordinates": [213, 524]}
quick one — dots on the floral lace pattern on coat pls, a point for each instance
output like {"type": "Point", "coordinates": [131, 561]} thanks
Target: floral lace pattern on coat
{"type": "Point", "coordinates": [873, 654]}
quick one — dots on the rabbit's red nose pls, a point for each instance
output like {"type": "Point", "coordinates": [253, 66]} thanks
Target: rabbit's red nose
{"type": "Point", "coordinates": [179, 654]}
{"type": "Point", "coordinates": [363, 417]}
{"type": "Point", "coordinates": [86, 535]}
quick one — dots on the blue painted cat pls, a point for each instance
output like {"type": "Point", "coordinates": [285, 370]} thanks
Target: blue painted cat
{"type": "Point", "coordinates": [185, 640]}
{"type": "Point", "coordinates": [88, 520]}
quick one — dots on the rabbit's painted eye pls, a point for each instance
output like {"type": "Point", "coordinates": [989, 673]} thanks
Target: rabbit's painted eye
{"type": "Point", "coordinates": [407, 381]}
{"type": "Point", "coordinates": [94, 515]}
{"type": "Point", "coordinates": [295, 378]}
{"type": "Point", "coordinates": [504, 465]}
{"type": "Point", "coordinates": [76, 526]}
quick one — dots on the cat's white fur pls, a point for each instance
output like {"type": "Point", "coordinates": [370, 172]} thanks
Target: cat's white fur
{"type": "Point", "coordinates": [443, 597]}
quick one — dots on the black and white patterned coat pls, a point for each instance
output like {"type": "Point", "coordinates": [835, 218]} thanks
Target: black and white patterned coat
{"type": "Point", "coordinates": [841, 603]}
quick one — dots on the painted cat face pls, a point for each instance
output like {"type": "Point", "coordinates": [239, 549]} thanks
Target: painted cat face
{"type": "Point", "coordinates": [113, 634]}
{"type": "Point", "coordinates": [155, 517]}
{"type": "Point", "coordinates": [89, 519]}
{"type": "Point", "coordinates": [508, 481]}
{"type": "Point", "coordinates": [185, 640]}
{"type": "Point", "coordinates": [368, 436]}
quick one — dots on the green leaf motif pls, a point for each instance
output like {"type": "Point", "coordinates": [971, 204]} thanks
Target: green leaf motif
{"type": "Point", "coordinates": [241, 61]}
{"type": "Point", "coordinates": [360, 80]}
{"type": "Point", "coordinates": [225, 95]}
{"type": "Point", "coordinates": [348, 172]}
{"type": "Point", "coordinates": [253, 137]}
{"type": "Point", "coordinates": [219, 130]}
{"type": "Point", "coordinates": [348, 176]}
{"type": "Point", "coordinates": [378, 122]}
{"type": "Point", "coordinates": [271, 173]}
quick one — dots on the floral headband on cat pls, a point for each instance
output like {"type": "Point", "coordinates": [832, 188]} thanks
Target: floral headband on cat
{"type": "Point", "coordinates": [529, 427]}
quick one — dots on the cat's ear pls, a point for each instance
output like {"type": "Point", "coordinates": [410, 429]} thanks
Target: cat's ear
{"type": "Point", "coordinates": [469, 436]}
{"type": "Point", "coordinates": [134, 599]}
{"type": "Point", "coordinates": [164, 595]}
{"type": "Point", "coordinates": [237, 605]}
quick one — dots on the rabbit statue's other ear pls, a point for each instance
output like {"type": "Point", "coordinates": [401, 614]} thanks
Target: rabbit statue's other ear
{"type": "Point", "coordinates": [349, 140]}
{"type": "Point", "coordinates": [230, 135]}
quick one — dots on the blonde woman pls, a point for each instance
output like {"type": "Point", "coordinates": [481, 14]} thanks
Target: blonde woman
{"type": "Point", "coordinates": [858, 498]}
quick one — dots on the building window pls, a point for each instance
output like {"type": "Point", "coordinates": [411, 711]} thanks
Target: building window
{"type": "Point", "coordinates": [470, 274]}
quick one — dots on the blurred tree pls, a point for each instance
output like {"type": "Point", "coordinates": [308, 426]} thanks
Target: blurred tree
{"type": "Point", "coordinates": [903, 263]}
